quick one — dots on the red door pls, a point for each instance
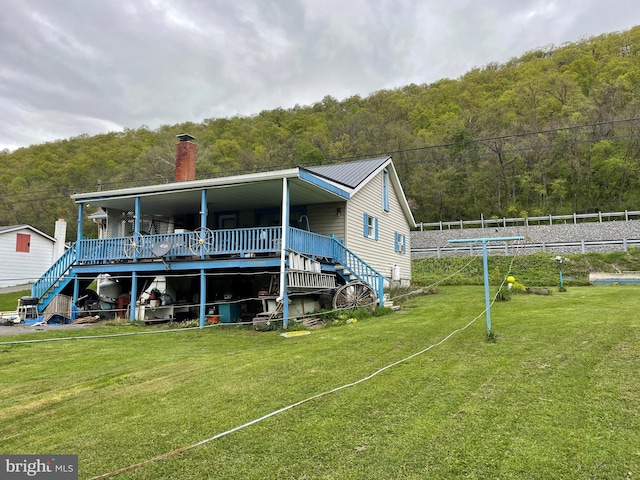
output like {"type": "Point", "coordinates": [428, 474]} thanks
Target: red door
{"type": "Point", "coordinates": [23, 242]}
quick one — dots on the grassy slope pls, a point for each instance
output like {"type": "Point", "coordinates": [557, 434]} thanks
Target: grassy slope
{"type": "Point", "coordinates": [9, 301]}
{"type": "Point", "coordinates": [557, 396]}
{"type": "Point", "coordinates": [531, 270]}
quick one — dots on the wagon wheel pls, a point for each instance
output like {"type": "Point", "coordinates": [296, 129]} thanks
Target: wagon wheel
{"type": "Point", "coordinates": [356, 294]}
{"type": "Point", "coordinates": [133, 245]}
{"type": "Point", "coordinates": [201, 241]}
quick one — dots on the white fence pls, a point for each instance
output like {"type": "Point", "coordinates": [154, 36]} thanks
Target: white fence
{"type": "Point", "coordinates": [526, 221]}
{"type": "Point", "coordinates": [509, 248]}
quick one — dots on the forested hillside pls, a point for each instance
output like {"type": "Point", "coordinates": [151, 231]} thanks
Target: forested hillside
{"type": "Point", "coordinates": [554, 131]}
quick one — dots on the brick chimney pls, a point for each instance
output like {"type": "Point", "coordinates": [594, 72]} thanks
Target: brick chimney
{"type": "Point", "coordinates": [185, 158]}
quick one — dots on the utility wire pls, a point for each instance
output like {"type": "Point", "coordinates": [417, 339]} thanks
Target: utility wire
{"type": "Point", "coordinates": [284, 409]}
{"type": "Point", "coordinates": [369, 155]}
{"type": "Point", "coordinates": [301, 402]}
{"type": "Point", "coordinates": [293, 405]}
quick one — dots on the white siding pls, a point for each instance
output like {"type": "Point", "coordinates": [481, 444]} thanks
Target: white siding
{"type": "Point", "coordinates": [323, 219]}
{"type": "Point", "coordinates": [17, 268]}
{"type": "Point", "coordinates": [379, 253]}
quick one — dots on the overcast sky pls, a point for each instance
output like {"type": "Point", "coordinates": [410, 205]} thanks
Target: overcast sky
{"type": "Point", "coordinates": [69, 67]}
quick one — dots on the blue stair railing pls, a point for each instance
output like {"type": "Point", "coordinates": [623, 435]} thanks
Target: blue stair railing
{"type": "Point", "coordinates": [352, 267]}
{"type": "Point", "coordinates": [356, 268]}
{"type": "Point", "coordinates": [55, 279]}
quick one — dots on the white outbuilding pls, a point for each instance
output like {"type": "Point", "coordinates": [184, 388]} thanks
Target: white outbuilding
{"type": "Point", "coordinates": [26, 253]}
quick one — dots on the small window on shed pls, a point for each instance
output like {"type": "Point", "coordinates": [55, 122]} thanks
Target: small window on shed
{"type": "Point", "coordinates": [23, 242]}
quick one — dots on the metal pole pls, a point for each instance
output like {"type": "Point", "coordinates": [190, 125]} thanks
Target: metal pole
{"type": "Point", "coordinates": [559, 259]}
{"type": "Point", "coordinates": [203, 222]}
{"type": "Point", "coordinates": [283, 297]}
{"type": "Point", "coordinates": [76, 290]}
{"type": "Point", "coordinates": [486, 269]}
{"type": "Point", "coordinates": [79, 234]}
{"type": "Point", "coordinates": [134, 296]}
{"type": "Point", "coordinates": [136, 227]}
{"type": "Point", "coordinates": [203, 296]}
{"type": "Point", "coordinates": [486, 287]}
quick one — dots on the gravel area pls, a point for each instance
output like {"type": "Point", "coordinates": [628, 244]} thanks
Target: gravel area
{"type": "Point", "coordinates": [557, 233]}
{"type": "Point", "coordinates": [20, 328]}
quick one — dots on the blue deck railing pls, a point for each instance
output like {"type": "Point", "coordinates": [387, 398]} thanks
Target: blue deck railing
{"type": "Point", "coordinates": [309, 243]}
{"type": "Point", "coordinates": [174, 246]}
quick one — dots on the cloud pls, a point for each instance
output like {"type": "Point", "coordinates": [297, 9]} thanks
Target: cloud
{"type": "Point", "coordinates": [71, 67]}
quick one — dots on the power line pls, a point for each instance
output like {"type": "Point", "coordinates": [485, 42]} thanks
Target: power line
{"type": "Point", "coordinates": [134, 182]}
{"type": "Point", "coordinates": [490, 139]}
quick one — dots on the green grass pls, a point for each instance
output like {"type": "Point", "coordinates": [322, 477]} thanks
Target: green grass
{"type": "Point", "coordinates": [556, 396]}
{"type": "Point", "coordinates": [540, 269]}
{"type": "Point", "coordinates": [9, 301]}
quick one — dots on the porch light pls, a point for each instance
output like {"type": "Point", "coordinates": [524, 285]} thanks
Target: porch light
{"type": "Point", "coordinates": [338, 211]}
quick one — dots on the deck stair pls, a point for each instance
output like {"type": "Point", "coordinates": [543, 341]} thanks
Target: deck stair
{"type": "Point", "coordinates": [54, 280]}
{"type": "Point", "coordinates": [351, 267]}
{"type": "Point", "coordinates": [304, 273]}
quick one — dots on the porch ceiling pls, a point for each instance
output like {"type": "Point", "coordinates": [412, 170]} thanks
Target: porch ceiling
{"type": "Point", "coordinates": [262, 194]}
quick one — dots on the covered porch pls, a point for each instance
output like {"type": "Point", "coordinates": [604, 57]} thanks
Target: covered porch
{"type": "Point", "coordinates": [216, 225]}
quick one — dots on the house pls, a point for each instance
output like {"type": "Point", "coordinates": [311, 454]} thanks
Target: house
{"type": "Point", "coordinates": [276, 244]}
{"type": "Point", "coordinates": [26, 253]}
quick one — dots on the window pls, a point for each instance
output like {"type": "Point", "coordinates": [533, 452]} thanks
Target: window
{"type": "Point", "coordinates": [269, 217]}
{"type": "Point", "coordinates": [23, 242]}
{"type": "Point", "coordinates": [370, 226]}
{"type": "Point", "coordinates": [385, 190]}
{"type": "Point", "coordinates": [227, 221]}
{"type": "Point", "coordinates": [400, 242]}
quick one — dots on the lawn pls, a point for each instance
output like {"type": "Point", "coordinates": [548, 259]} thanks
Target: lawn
{"type": "Point", "coordinates": [9, 301]}
{"type": "Point", "coordinates": [556, 396]}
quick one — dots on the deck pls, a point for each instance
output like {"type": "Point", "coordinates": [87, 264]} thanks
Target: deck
{"type": "Point", "coordinates": [205, 250]}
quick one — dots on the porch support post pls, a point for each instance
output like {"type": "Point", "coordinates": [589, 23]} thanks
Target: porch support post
{"type": "Point", "coordinates": [80, 227]}
{"type": "Point", "coordinates": [283, 254]}
{"type": "Point", "coordinates": [203, 225]}
{"type": "Point", "coordinates": [76, 289]}
{"type": "Point", "coordinates": [134, 296]}
{"type": "Point", "coordinates": [203, 277]}
{"type": "Point", "coordinates": [80, 220]}
{"type": "Point", "coordinates": [203, 209]}
{"type": "Point", "coordinates": [136, 226]}
{"type": "Point", "coordinates": [203, 296]}
{"type": "Point", "coordinates": [76, 283]}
